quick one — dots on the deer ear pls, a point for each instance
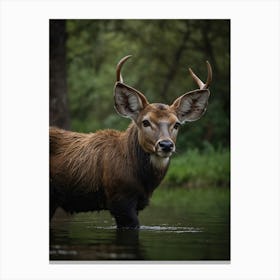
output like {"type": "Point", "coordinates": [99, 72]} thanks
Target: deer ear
{"type": "Point", "coordinates": [192, 105]}
{"type": "Point", "coordinates": [128, 101]}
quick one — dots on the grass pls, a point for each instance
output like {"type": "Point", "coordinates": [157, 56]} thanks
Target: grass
{"type": "Point", "coordinates": [210, 167]}
{"type": "Point", "coordinates": [197, 181]}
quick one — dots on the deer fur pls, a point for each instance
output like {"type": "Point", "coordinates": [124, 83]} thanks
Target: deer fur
{"type": "Point", "coordinates": [119, 170]}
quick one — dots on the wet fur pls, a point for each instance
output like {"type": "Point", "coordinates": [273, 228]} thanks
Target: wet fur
{"type": "Point", "coordinates": [117, 170]}
{"type": "Point", "coordinates": [99, 171]}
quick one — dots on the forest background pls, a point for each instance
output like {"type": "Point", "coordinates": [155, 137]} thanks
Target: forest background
{"type": "Point", "coordinates": [83, 58]}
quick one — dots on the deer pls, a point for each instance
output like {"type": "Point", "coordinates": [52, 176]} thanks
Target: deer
{"type": "Point", "coordinates": [119, 170]}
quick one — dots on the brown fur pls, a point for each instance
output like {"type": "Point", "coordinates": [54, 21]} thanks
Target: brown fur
{"type": "Point", "coordinates": [108, 160]}
{"type": "Point", "coordinates": [117, 170]}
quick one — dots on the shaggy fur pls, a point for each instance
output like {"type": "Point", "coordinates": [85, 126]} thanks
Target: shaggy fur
{"type": "Point", "coordinates": [117, 170]}
{"type": "Point", "coordinates": [94, 171]}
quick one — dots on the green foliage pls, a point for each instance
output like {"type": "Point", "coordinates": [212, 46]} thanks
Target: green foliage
{"type": "Point", "coordinates": [162, 52]}
{"type": "Point", "coordinates": [209, 167]}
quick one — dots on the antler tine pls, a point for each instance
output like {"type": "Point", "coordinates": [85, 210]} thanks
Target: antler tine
{"type": "Point", "coordinates": [119, 66]}
{"type": "Point", "coordinates": [198, 81]}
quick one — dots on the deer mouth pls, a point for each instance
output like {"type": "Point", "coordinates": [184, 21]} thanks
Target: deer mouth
{"type": "Point", "coordinates": [164, 154]}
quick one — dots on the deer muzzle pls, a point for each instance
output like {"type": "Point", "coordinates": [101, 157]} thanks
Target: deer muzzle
{"type": "Point", "coordinates": [165, 147]}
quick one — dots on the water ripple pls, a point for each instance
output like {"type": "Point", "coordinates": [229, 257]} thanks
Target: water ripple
{"type": "Point", "coordinates": [159, 228]}
{"type": "Point", "coordinates": [174, 229]}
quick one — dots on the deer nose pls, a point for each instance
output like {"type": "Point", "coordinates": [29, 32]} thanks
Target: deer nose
{"type": "Point", "coordinates": [166, 145]}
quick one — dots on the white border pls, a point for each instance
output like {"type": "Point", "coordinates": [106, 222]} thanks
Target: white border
{"type": "Point", "coordinates": [255, 138]}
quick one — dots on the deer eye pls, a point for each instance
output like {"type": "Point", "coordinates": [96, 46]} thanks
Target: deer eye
{"type": "Point", "coordinates": [146, 123]}
{"type": "Point", "coordinates": [176, 125]}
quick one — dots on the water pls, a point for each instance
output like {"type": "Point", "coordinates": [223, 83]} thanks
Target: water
{"type": "Point", "coordinates": [165, 234]}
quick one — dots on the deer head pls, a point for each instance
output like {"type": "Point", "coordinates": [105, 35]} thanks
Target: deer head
{"type": "Point", "coordinates": [157, 123]}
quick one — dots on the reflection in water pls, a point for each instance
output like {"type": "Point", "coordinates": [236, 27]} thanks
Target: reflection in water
{"type": "Point", "coordinates": [105, 243]}
{"type": "Point", "coordinates": [129, 241]}
{"type": "Point", "coordinates": [92, 236]}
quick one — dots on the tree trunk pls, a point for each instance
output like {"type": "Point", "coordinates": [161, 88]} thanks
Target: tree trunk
{"type": "Point", "coordinates": [207, 45]}
{"type": "Point", "coordinates": [59, 111]}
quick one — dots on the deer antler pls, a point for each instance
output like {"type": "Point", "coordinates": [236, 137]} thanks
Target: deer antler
{"type": "Point", "coordinates": [198, 81]}
{"type": "Point", "coordinates": [119, 67]}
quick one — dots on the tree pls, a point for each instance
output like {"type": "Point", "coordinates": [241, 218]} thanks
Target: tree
{"type": "Point", "coordinates": [162, 52]}
{"type": "Point", "coordinates": [59, 112]}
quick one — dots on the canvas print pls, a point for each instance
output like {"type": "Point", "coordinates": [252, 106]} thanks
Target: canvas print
{"type": "Point", "coordinates": [139, 140]}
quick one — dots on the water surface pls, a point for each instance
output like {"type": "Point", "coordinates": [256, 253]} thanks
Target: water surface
{"type": "Point", "coordinates": [165, 234]}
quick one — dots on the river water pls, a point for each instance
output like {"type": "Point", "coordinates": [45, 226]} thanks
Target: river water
{"type": "Point", "coordinates": [165, 234]}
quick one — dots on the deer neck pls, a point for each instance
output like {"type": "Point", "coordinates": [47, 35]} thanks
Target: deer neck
{"type": "Point", "coordinates": [149, 168]}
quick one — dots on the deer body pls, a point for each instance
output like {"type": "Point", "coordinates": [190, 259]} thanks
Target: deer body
{"type": "Point", "coordinates": [83, 170]}
{"type": "Point", "coordinates": [118, 171]}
